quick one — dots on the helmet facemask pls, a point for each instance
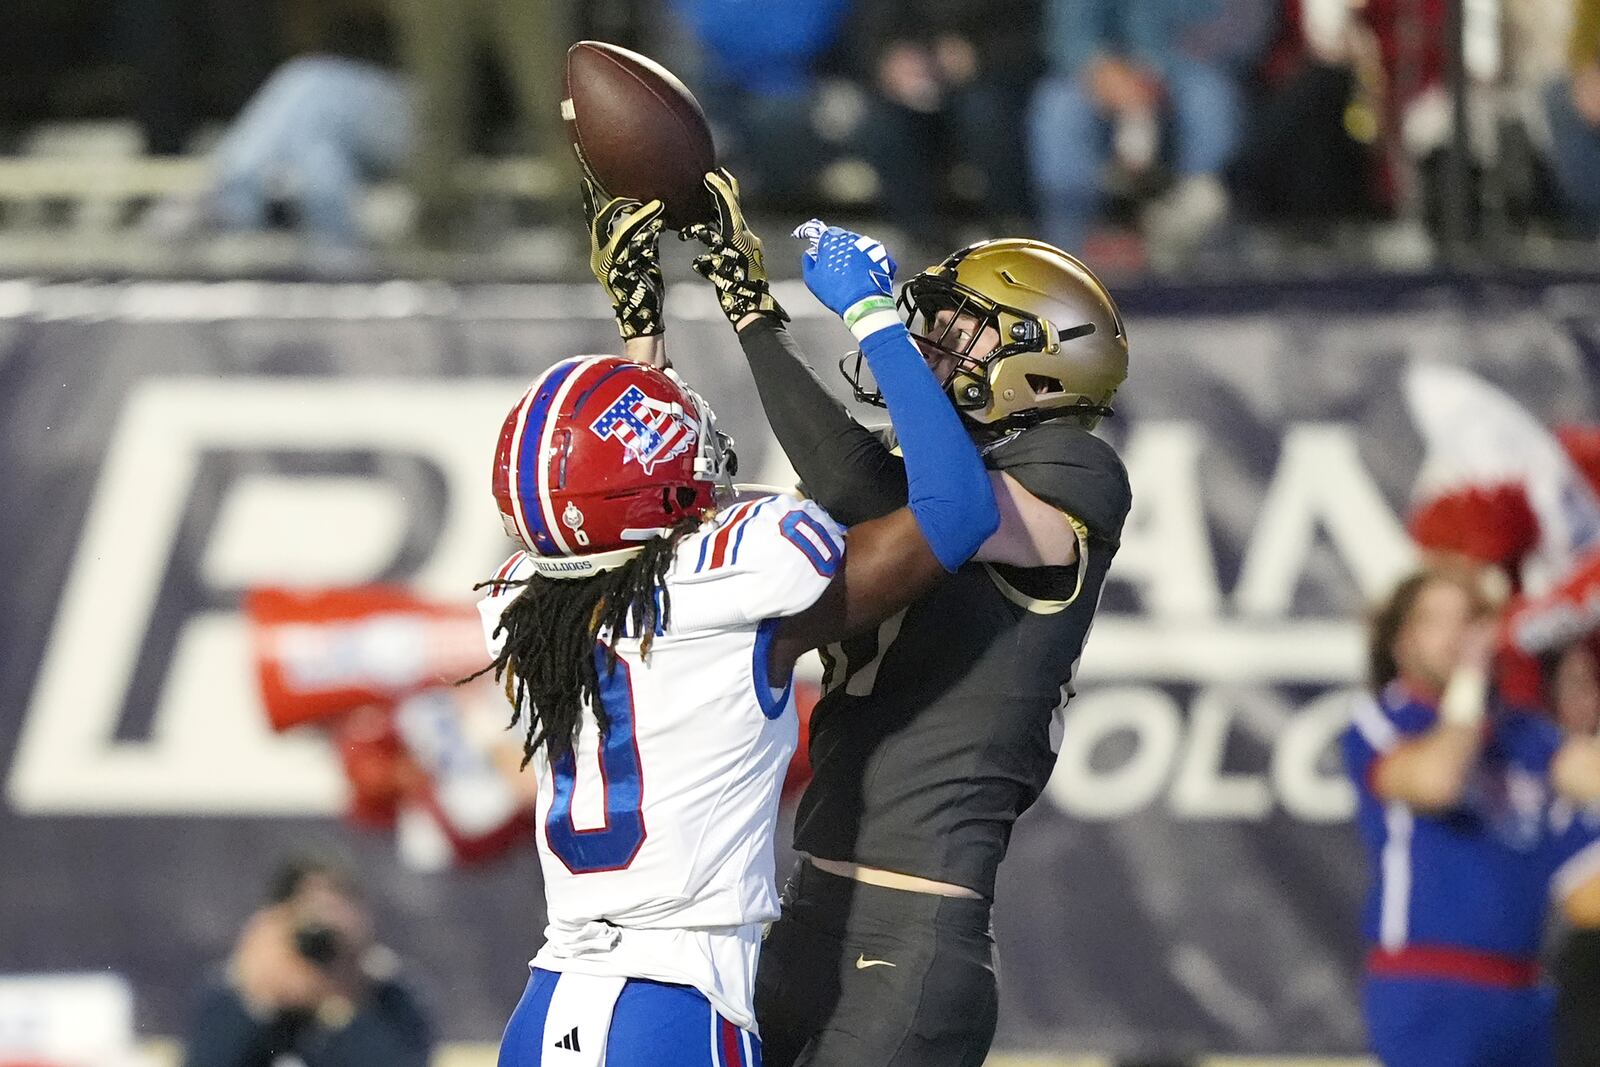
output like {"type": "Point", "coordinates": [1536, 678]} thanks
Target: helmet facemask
{"type": "Point", "coordinates": [715, 460]}
{"type": "Point", "coordinates": [948, 319]}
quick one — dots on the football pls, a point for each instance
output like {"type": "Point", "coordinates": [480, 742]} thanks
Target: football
{"type": "Point", "coordinates": [638, 131]}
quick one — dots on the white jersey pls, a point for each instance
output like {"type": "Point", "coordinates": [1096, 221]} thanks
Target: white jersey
{"type": "Point", "coordinates": [657, 846]}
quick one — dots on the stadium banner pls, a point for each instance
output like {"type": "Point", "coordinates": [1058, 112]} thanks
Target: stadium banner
{"type": "Point", "coordinates": [1189, 881]}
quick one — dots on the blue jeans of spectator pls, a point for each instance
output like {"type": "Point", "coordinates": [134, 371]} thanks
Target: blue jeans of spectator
{"type": "Point", "coordinates": [1576, 155]}
{"type": "Point", "coordinates": [317, 129]}
{"type": "Point", "coordinates": [911, 151]}
{"type": "Point", "coordinates": [1070, 142]}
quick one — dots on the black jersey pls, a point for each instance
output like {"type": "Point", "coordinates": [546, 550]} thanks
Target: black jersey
{"type": "Point", "coordinates": [933, 733]}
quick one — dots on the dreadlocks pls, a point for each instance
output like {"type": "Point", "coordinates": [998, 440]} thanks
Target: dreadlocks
{"type": "Point", "coordinates": [547, 663]}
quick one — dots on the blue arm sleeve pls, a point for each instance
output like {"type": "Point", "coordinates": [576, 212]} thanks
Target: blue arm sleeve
{"type": "Point", "coordinates": [947, 486]}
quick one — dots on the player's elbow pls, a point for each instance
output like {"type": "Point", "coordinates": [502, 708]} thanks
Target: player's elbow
{"type": "Point", "coordinates": [956, 526]}
{"type": "Point", "coordinates": [985, 521]}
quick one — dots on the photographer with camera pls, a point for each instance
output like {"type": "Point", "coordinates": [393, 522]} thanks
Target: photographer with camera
{"type": "Point", "coordinates": [308, 985]}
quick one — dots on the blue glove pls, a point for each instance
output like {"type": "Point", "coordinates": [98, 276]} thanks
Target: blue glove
{"type": "Point", "coordinates": [947, 488]}
{"type": "Point", "coordinates": [852, 275]}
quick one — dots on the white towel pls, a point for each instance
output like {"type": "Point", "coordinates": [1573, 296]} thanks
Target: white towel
{"type": "Point", "coordinates": [579, 1020]}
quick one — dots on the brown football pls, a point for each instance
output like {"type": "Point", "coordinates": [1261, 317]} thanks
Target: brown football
{"type": "Point", "coordinates": [638, 131]}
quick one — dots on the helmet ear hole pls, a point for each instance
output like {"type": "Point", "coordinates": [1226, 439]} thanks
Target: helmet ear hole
{"type": "Point", "coordinates": [686, 497]}
{"type": "Point", "coordinates": [562, 448]}
{"type": "Point", "coordinates": [1044, 385]}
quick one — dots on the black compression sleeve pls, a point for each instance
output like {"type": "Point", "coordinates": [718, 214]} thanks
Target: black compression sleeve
{"type": "Point", "coordinates": [842, 464]}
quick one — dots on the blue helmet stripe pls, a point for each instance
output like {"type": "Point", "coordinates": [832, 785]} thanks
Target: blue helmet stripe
{"type": "Point", "coordinates": [528, 458]}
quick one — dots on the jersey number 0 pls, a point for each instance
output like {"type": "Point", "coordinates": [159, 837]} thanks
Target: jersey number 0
{"type": "Point", "coordinates": [613, 846]}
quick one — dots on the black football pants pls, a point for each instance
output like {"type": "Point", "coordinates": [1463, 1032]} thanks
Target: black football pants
{"type": "Point", "coordinates": [857, 975]}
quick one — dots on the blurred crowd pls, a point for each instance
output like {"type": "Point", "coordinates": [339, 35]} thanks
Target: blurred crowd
{"type": "Point", "coordinates": [1153, 124]}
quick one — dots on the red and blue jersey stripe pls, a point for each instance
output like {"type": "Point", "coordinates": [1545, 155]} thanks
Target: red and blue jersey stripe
{"type": "Point", "coordinates": [508, 568]}
{"type": "Point", "coordinates": [721, 547]}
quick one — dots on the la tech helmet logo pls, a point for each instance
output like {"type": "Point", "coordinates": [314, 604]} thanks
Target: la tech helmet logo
{"type": "Point", "coordinates": [652, 431]}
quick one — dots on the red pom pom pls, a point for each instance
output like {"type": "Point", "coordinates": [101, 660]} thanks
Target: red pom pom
{"type": "Point", "coordinates": [1491, 524]}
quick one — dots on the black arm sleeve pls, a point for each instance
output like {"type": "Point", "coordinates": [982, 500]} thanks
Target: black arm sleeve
{"type": "Point", "coordinates": [225, 1034]}
{"type": "Point", "coordinates": [388, 1029]}
{"type": "Point", "coordinates": [843, 465]}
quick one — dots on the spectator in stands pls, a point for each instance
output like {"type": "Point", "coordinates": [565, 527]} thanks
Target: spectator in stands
{"type": "Point", "coordinates": [1309, 158]}
{"type": "Point", "coordinates": [1573, 105]}
{"type": "Point", "coordinates": [757, 83]}
{"type": "Point", "coordinates": [307, 982]}
{"type": "Point", "coordinates": [319, 130]}
{"type": "Point", "coordinates": [1141, 79]}
{"type": "Point", "coordinates": [439, 43]}
{"type": "Point", "coordinates": [323, 125]}
{"type": "Point", "coordinates": [949, 79]}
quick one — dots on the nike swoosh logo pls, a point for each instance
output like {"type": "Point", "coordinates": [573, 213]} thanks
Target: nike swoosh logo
{"type": "Point", "coordinates": [862, 963]}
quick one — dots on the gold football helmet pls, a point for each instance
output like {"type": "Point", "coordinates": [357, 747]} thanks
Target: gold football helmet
{"type": "Point", "coordinates": [1061, 348]}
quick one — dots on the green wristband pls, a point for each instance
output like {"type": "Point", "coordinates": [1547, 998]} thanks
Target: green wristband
{"type": "Point", "coordinates": [864, 307]}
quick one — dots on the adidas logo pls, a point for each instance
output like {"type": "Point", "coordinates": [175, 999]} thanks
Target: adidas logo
{"type": "Point", "coordinates": [570, 1042]}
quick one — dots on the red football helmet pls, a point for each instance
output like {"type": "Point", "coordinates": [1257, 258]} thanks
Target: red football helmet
{"type": "Point", "coordinates": [602, 453]}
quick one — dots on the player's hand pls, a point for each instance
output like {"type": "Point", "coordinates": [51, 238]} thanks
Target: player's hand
{"type": "Point", "coordinates": [625, 256]}
{"type": "Point", "coordinates": [853, 275]}
{"type": "Point", "coordinates": [733, 261]}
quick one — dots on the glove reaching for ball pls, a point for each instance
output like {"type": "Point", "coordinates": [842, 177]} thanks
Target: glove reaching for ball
{"type": "Point", "coordinates": [625, 257]}
{"type": "Point", "coordinates": [852, 274]}
{"type": "Point", "coordinates": [733, 261]}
